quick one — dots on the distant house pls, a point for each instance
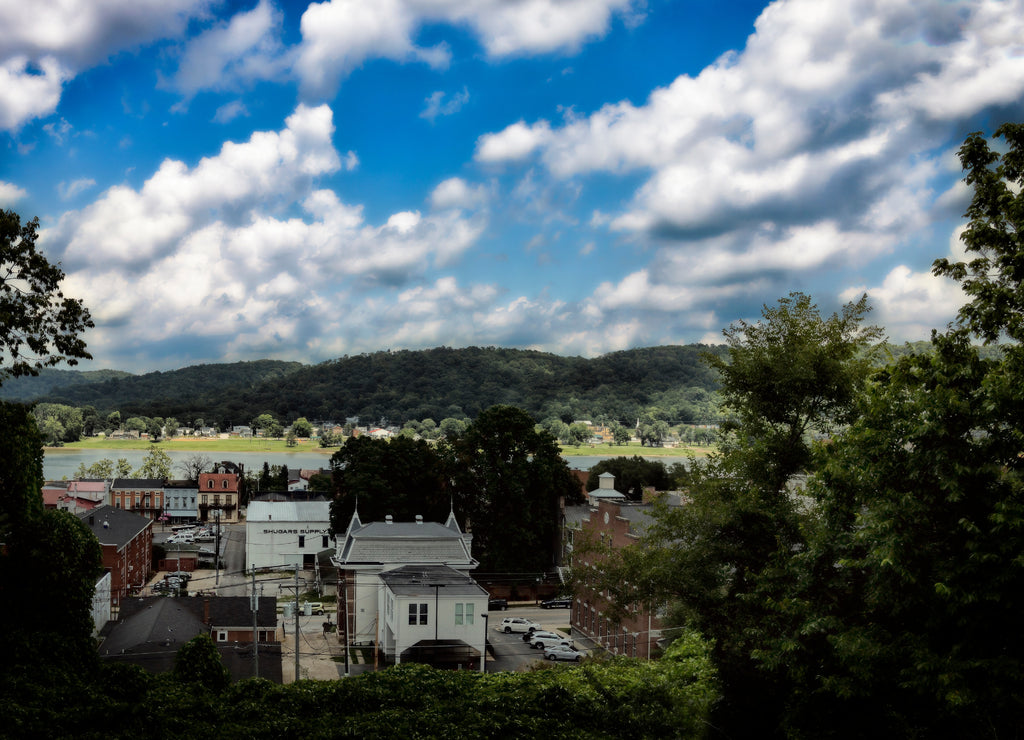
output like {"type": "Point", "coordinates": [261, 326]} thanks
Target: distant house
{"type": "Point", "coordinates": [367, 551]}
{"type": "Point", "coordinates": [126, 540]}
{"type": "Point", "coordinates": [181, 503]}
{"type": "Point", "coordinates": [144, 496]}
{"type": "Point", "coordinates": [84, 495]}
{"type": "Point", "coordinates": [219, 492]}
{"type": "Point", "coordinates": [151, 630]}
{"type": "Point", "coordinates": [53, 492]}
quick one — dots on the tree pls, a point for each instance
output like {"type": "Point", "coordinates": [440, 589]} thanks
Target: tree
{"type": "Point", "coordinates": [452, 427]}
{"type": "Point", "coordinates": [199, 662]}
{"type": "Point", "coordinates": [302, 427]}
{"type": "Point", "coordinates": [39, 327]}
{"type": "Point", "coordinates": [21, 475]}
{"type": "Point", "coordinates": [401, 477]}
{"type": "Point", "coordinates": [155, 428]}
{"type": "Point", "coordinates": [136, 424]}
{"type": "Point", "coordinates": [156, 465]}
{"type": "Point", "coordinates": [123, 468]}
{"type": "Point", "coordinates": [578, 433]}
{"type": "Point", "coordinates": [793, 372]}
{"type": "Point", "coordinates": [114, 420]}
{"type": "Point", "coordinates": [171, 427]}
{"type": "Point", "coordinates": [192, 465]}
{"type": "Point", "coordinates": [632, 475]}
{"type": "Point", "coordinates": [912, 583]}
{"type": "Point", "coordinates": [994, 237]}
{"type": "Point", "coordinates": [102, 469]}
{"type": "Point", "coordinates": [291, 440]}
{"type": "Point", "coordinates": [59, 422]}
{"type": "Point", "coordinates": [620, 434]}
{"type": "Point", "coordinates": [507, 478]}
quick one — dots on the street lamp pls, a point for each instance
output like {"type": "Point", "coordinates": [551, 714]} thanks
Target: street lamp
{"type": "Point", "coordinates": [216, 549]}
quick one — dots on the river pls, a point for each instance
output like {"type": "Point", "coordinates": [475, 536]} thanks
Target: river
{"type": "Point", "coordinates": [62, 463]}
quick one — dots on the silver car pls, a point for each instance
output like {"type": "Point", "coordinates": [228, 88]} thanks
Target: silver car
{"type": "Point", "coordinates": [562, 652]}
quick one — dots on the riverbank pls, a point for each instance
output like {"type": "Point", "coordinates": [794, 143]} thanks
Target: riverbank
{"type": "Point", "coordinates": [273, 446]}
{"type": "Point", "coordinates": [199, 444]}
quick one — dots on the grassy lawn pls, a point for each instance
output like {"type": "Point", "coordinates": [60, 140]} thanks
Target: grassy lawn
{"type": "Point", "coordinates": [629, 450]}
{"type": "Point", "coordinates": [194, 444]}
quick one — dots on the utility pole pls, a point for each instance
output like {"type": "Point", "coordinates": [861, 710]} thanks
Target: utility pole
{"type": "Point", "coordinates": [296, 621]}
{"type": "Point", "coordinates": [216, 554]}
{"type": "Point", "coordinates": [344, 614]}
{"type": "Point", "coordinates": [255, 627]}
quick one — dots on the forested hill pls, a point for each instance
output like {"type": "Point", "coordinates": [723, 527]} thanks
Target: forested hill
{"type": "Point", "coordinates": [434, 383]}
{"type": "Point", "coordinates": [51, 382]}
{"type": "Point", "coordinates": [172, 389]}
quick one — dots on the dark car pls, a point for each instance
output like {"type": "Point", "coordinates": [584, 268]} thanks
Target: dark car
{"type": "Point", "coordinates": [497, 605]}
{"type": "Point", "coordinates": [562, 602]}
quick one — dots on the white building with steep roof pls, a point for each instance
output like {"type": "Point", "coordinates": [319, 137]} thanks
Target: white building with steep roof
{"type": "Point", "coordinates": [368, 550]}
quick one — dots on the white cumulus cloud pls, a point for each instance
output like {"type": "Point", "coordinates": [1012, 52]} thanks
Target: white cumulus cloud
{"type": "Point", "coordinates": [45, 43]}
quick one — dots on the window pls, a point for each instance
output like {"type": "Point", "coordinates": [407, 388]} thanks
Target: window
{"type": "Point", "coordinates": [222, 636]}
{"type": "Point", "coordinates": [224, 484]}
{"type": "Point", "coordinates": [458, 614]}
{"type": "Point", "coordinates": [209, 484]}
{"type": "Point", "coordinates": [469, 614]}
{"type": "Point", "coordinates": [302, 541]}
{"type": "Point", "coordinates": [203, 499]}
{"type": "Point", "coordinates": [420, 610]}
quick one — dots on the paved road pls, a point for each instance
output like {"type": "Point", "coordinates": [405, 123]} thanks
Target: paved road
{"type": "Point", "coordinates": [512, 652]}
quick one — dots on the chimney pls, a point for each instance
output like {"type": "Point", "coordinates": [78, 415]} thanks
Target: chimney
{"type": "Point", "coordinates": [92, 520]}
{"type": "Point", "coordinates": [206, 610]}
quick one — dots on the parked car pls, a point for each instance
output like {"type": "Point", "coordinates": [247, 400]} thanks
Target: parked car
{"type": "Point", "coordinates": [316, 607]}
{"type": "Point", "coordinates": [562, 602]}
{"type": "Point", "coordinates": [497, 605]}
{"type": "Point", "coordinates": [542, 639]}
{"type": "Point", "coordinates": [562, 652]}
{"type": "Point", "coordinates": [518, 624]}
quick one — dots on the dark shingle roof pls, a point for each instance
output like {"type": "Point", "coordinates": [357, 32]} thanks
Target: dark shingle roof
{"type": "Point", "coordinates": [113, 526]}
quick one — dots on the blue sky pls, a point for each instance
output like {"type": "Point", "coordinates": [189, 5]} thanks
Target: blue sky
{"type": "Point", "coordinates": [228, 181]}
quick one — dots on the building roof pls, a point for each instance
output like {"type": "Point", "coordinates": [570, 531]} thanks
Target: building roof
{"type": "Point", "coordinates": [92, 489]}
{"type": "Point", "coordinates": [224, 611]}
{"type": "Point", "coordinates": [420, 580]}
{"type": "Point", "coordinates": [289, 511]}
{"type": "Point", "coordinates": [114, 527]}
{"type": "Point", "coordinates": [218, 482]}
{"type": "Point", "coordinates": [135, 484]}
{"type": "Point", "coordinates": [419, 542]}
{"type": "Point", "coordinates": [152, 630]}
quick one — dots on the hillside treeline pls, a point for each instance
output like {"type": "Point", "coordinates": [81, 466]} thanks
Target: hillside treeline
{"type": "Point", "coordinates": [668, 382]}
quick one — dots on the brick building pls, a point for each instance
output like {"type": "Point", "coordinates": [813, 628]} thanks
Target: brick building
{"type": "Point", "coordinates": [126, 540]}
{"type": "Point", "coordinates": [615, 523]}
{"type": "Point", "coordinates": [144, 496]}
{"type": "Point", "coordinates": [219, 491]}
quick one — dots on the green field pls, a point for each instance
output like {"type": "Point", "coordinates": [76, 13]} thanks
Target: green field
{"type": "Point", "coordinates": [629, 450]}
{"type": "Point", "coordinates": [189, 444]}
